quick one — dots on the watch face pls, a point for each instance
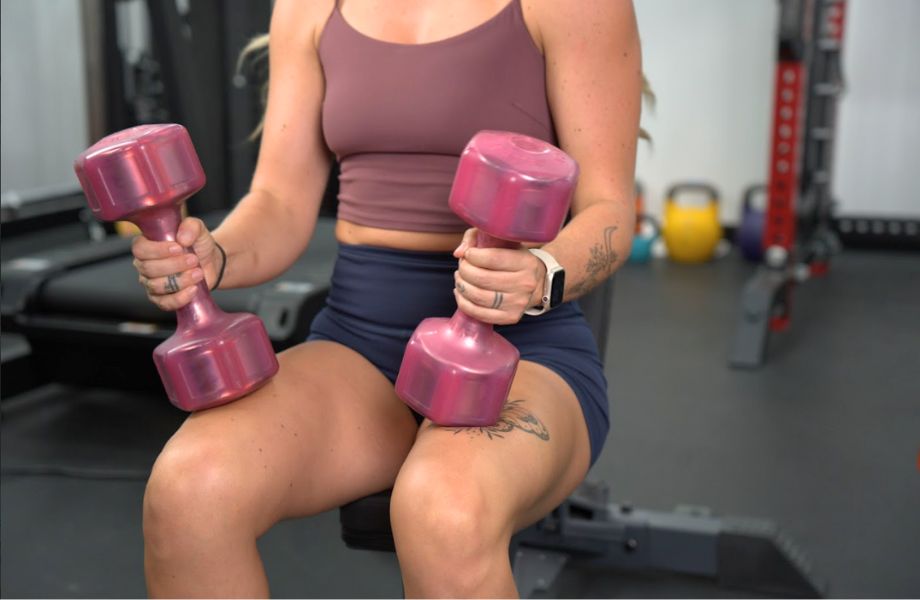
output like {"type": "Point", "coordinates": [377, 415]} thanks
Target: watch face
{"type": "Point", "coordinates": [558, 288]}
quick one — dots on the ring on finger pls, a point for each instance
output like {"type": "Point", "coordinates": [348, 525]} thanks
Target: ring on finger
{"type": "Point", "coordinates": [172, 283]}
{"type": "Point", "coordinates": [497, 301]}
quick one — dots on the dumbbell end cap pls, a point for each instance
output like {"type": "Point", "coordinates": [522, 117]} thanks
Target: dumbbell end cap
{"type": "Point", "coordinates": [215, 364]}
{"type": "Point", "coordinates": [514, 187]}
{"type": "Point", "coordinates": [139, 168]}
{"type": "Point", "coordinates": [456, 379]}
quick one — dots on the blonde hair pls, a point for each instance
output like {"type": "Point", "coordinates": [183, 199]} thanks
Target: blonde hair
{"type": "Point", "coordinates": [649, 98]}
{"type": "Point", "coordinates": [255, 56]}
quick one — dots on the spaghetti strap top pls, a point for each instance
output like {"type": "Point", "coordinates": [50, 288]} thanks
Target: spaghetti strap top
{"type": "Point", "coordinates": [397, 116]}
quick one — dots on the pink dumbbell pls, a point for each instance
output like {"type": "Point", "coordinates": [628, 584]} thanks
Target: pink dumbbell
{"type": "Point", "coordinates": [143, 175]}
{"type": "Point", "coordinates": [513, 188]}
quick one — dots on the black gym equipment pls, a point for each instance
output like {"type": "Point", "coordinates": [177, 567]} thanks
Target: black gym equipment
{"type": "Point", "coordinates": [84, 298]}
{"type": "Point", "coordinates": [880, 233]}
{"type": "Point", "coordinates": [37, 221]}
{"type": "Point", "coordinates": [184, 72]}
{"type": "Point", "coordinates": [45, 218]}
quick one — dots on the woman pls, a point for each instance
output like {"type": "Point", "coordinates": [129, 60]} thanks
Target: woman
{"type": "Point", "coordinates": [395, 89]}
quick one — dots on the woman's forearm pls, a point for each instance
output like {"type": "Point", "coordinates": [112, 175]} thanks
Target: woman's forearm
{"type": "Point", "coordinates": [262, 237]}
{"type": "Point", "coordinates": [594, 244]}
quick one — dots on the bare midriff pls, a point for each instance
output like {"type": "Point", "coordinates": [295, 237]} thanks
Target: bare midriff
{"type": "Point", "coordinates": [351, 233]}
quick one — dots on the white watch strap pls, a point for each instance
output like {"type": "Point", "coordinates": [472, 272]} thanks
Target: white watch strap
{"type": "Point", "coordinates": [551, 267]}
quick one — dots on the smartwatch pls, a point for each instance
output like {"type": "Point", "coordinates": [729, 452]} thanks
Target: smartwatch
{"type": "Point", "coordinates": [554, 285]}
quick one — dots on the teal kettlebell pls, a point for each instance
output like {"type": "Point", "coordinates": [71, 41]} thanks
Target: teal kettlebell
{"type": "Point", "coordinates": [647, 231]}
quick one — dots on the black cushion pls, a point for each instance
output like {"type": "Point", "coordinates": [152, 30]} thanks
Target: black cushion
{"type": "Point", "coordinates": [366, 523]}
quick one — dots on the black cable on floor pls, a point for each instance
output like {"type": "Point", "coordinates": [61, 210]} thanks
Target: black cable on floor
{"type": "Point", "coordinates": [75, 472]}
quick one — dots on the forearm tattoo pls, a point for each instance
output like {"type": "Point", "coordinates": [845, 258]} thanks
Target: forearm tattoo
{"type": "Point", "coordinates": [514, 416]}
{"type": "Point", "coordinates": [601, 260]}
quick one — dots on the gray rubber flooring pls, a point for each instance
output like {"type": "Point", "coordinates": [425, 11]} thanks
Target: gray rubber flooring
{"type": "Point", "coordinates": [823, 440]}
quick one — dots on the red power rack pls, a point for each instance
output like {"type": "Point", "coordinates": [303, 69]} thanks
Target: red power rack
{"type": "Point", "coordinates": [798, 235]}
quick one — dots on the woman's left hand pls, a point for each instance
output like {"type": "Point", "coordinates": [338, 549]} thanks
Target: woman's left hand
{"type": "Point", "coordinates": [496, 285]}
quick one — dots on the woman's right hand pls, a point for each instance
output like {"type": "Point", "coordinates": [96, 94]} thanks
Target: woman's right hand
{"type": "Point", "coordinates": [170, 271]}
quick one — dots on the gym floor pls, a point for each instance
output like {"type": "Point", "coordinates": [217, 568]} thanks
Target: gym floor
{"type": "Point", "coordinates": [823, 440]}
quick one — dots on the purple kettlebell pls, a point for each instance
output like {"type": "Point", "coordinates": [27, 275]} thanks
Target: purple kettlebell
{"type": "Point", "coordinates": [750, 230]}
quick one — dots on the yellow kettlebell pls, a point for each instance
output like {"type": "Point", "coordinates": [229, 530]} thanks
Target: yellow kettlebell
{"type": "Point", "coordinates": [691, 231]}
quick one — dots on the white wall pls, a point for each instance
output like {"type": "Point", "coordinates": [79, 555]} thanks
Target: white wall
{"type": "Point", "coordinates": [711, 64]}
{"type": "Point", "coordinates": [43, 97]}
{"type": "Point", "coordinates": [878, 158]}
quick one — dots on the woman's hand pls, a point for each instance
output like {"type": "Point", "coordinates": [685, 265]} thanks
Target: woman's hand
{"type": "Point", "coordinates": [496, 285]}
{"type": "Point", "coordinates": [169, 272]}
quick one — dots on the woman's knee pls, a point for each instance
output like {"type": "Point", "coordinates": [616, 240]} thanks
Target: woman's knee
{"type": "Point", "coordinates": [196, 490]}
{"type": "Point", "coordinates": [441, 518]}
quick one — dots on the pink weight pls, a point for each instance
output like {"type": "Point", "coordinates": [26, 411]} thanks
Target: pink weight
{"type": "Point", "coordinates": [513, 188]}
{"type": "Point", "coordinates": [142, 175]}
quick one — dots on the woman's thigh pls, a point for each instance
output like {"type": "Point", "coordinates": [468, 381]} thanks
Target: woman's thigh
{"type": "Point", "coordinates": [328, 428]}
{"type": "Point", "coordinates": [520, 468]}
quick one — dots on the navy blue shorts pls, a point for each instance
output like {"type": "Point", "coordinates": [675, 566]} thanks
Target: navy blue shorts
{"type": "Point", "coordinates": [379, 295]}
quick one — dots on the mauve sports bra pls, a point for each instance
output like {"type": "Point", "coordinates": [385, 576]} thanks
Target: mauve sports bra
{"type": "Point", "coordinates": [398, 116]}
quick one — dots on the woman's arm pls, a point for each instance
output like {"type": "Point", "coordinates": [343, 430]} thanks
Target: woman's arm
{"type": "Point", "coordinates": [272, 225]}
{"type": "Point", "coordinates": [594, 82]}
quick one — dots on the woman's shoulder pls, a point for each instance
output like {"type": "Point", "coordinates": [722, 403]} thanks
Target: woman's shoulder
{"type": "Point", "coordinates": [552, 20]}
{"type": "Point", "coordinates": [301, 21]}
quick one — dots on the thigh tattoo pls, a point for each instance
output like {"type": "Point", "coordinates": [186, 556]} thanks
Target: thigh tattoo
{"type": "Point", "coordinates": [514, 416]}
